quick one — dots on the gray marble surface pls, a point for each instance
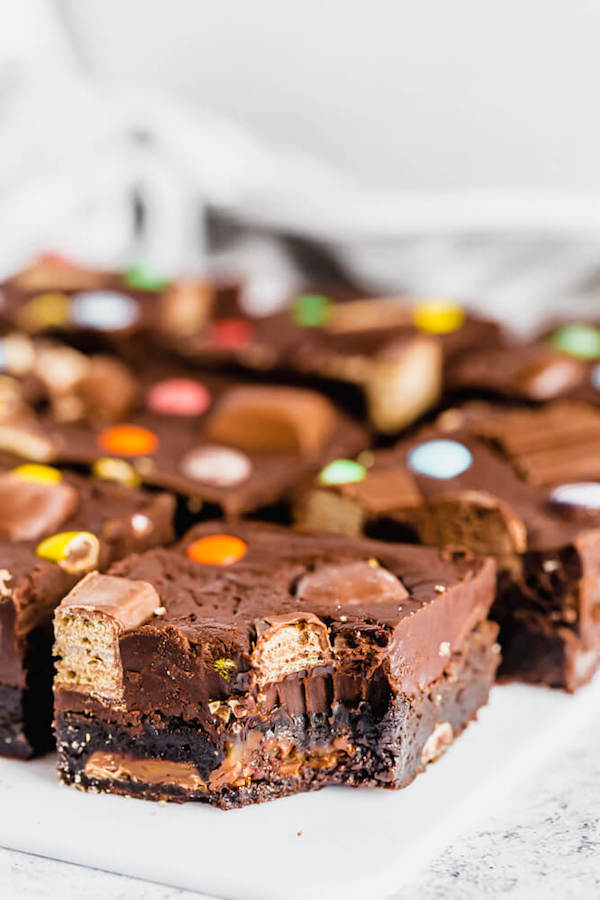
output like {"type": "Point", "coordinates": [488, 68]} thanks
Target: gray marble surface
{"type": "Point", "coordinates": [544, 842]}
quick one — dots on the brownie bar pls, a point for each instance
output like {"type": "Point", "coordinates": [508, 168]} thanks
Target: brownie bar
{"type": "Point", "coordinates": [102, 311]}
{"type": "Point", "coordinates": [54, 529]}
{"type": "Point", "coordinates": [247, 665]}
{"type": "Point", "coordinates": [519, 484]}
{"type": "Point", "coordinates": [387, 355]}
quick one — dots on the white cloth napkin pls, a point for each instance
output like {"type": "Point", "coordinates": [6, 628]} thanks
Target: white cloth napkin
{"type": "Point", "coordinates": [74, 155]}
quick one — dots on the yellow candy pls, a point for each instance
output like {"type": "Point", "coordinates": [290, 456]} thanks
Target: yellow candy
{"type": "Point", "coordinates": [112, 469]}
{"type": "Point", "coordinates": [45, 311]}
{"type": "Point", "coordinates": [38, 473]}
{"type": "Point", "coordinates": [73, 551]}
{"type": "Point", "coordinates": [438, 316]}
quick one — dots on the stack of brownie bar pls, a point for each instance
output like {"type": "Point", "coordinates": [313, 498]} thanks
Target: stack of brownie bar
{"type": "Point", "coordinates": [242, 589]}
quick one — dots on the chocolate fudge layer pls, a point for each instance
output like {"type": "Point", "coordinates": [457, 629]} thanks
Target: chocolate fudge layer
{"type": "Point", "coordinates": [252, 662]}
{"type": "Point", "coordinates": [237, 447]}
{"type": "Point", "coordinates": [521, 485]}
{"type": "Point", "coordinates": [390, 352]}
{"type": "Point", "coordinates": [54, 529]}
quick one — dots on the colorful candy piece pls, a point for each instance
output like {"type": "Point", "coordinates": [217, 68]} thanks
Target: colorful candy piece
{"type": "Point", "coordinates": [580, 494]}
{"type": "Point", "coordinates": [39, 474]}
{"type": "Point", "coordinates": [73, 551]}
{"type": "Point", "coordinates": [438, 316]}
{"type": "Point", "coordinates": [104, 310]}
{"type": "Point", "coordinates": [111, 469]}
{"type": "Point", "coordinates": [440, 459]}
{"type": "Point", "coordinates": [577, 339]}
{"type": "Point", "coordinates": [178, 397]}
{"type": "Point", "coordinates": [342, 471]}
{"type": "Point", "coordinates": [231, 334]}
{"type": "Point", "coordinates": [216, 466]}
{"type": "Point", "coordinates": [312, 310]}
{"type": "Point", "coordinates": [142, 278]}
{"type": "Point", "coordinates": [49, 310]}
{"type": "Point", "coordinates": [217, 550]}
{"type": "Point", "coordinates": [128, 440]}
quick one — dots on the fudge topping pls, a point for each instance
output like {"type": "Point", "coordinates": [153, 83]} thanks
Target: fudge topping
{"type": "Point", "coordinates": [279, 608]}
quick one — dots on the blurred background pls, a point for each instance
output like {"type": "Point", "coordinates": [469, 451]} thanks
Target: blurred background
{"type": "Point", "coordinates": [440, 149]}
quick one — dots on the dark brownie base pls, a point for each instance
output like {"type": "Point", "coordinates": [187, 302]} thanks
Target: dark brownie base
{"type": "Point", "coordinates": [287, 754]}
{"type": "Point", "coordinates": [26, 712]}
{"type": "Point", "coordinates": [537, 651]}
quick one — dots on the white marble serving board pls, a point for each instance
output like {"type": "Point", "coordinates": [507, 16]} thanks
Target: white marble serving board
{"type": "Point", "coordinates": [338, 842]}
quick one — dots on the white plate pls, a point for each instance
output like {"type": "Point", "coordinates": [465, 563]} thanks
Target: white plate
{"type": "Point", "coordinates": [338, 842]}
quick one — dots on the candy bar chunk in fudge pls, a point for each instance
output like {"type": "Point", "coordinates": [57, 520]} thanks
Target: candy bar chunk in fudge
{"type": "Point", "coordinates": [55, 527]}
{"type": "Point", "coordinates": [532, 372]}
{"type": "Point", "coordinates": [237, 447]}
{"type": "Point", "coordinates": [95, 309]}
{"type": "Point", "coordinates": [73, 386]}
{"type": "Point", "coordinates": [386, 355]}
{"type": "Point", "coordinates": [252, 662]}
{"type": "Point", "coordinates": [522, 485]}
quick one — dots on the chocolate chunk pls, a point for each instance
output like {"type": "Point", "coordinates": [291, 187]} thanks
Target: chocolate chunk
{"type": "Point", "coordinates": [275, 419]}
{"type": "Point", "coordinates": [351, 584]}
{"type": "Point", "coordinates": [31, 509]}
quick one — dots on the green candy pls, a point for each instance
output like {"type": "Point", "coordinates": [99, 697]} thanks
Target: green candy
{"type": "Point", "coordinates": [311, 310]}
{"type": "Point", "coordinates": [342, 471]}
{"type": "Point", "coordinates": [141, 278]}
{"type": "Point", "coordinates": [578, 340]}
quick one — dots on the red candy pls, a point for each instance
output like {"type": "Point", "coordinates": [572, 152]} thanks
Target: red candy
{"type": "Point", "coordinates": [178, 397]}
{"type": "Point", "coordinates": [231, 334]}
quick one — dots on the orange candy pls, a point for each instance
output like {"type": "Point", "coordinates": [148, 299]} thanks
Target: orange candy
{"type": "Point", "coordinates": [217, 550]}
{"type": "Point", "coordinates": [128, 440]}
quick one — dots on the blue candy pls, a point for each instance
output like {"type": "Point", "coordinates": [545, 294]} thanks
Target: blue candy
{"type": "Point", "coordinates": [440, 459]}
{"type": "Point", "coordinates": [104, 310]}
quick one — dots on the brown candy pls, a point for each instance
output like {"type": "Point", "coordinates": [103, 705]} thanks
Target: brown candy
{"type": "Point", "coordinates": [31, 509]}
{"type": "Point", "coordinates": [277, 419]}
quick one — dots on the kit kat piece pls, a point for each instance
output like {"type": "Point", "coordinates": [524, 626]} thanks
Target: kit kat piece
{"type": "Point", "coordinates": [521, 485]}
{"type": "Point", "coordinates": [55, 528]}
{"type": "Point", "coordinates": [251, 663]}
